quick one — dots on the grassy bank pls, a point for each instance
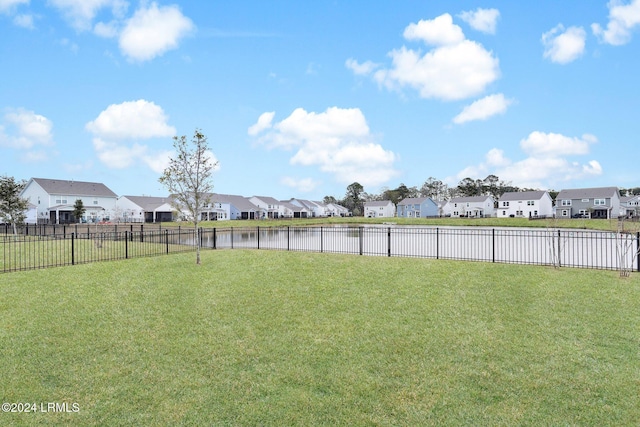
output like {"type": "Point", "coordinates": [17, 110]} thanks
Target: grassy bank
{"type": "Point", "coordinates": [281, 338]}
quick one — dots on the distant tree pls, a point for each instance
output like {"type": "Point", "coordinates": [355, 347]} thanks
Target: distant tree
{"type": "Point", "coordinates": [12, 207]}
{"type": "Point", "coordinates": [435, 189]}
{"type": "Point", "coordinates": [469, 188]}
{"type": "Point", "coordinates": [352, 199]}
{"type": "Point", "coordinates": [329, 199]}
{"type": "Point", "coordinates": [78, 209]}
{"type": "Point", "coordinates": [188, 178]}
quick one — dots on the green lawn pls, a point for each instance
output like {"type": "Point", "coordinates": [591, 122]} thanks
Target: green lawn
{"type": "Point", "coordinates": [283, 338]}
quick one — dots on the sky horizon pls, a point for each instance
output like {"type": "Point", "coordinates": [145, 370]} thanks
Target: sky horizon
{"type": "Point", "coordinates": [300, 99]}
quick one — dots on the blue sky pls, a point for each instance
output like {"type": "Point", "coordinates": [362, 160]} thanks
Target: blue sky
{"type": "Point", "coordinates": [300, 99]}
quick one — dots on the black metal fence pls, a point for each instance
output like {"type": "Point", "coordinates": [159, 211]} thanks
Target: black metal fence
{"type": "Point", "coordinates": [561, 248]}
{"type": "Point", "coordinates": [568, 248]}
{"type": "Point", "coordinates": [27, 252]}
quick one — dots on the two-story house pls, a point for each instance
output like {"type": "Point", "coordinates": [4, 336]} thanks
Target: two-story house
{"type": "Point", "coordinates": [271, 207]}
{"type": "Point", "coordinates": [471, 207]}
{"type": "Point", "coordinates": [377, 209]}
{"type": "Point", "coordinates": [630, 206]}
{"type": "Point", "coordinates": [602, 202]}
{"type": "Point", "coordinates": [54, 200]}
{"type": "Point", "coordinates": [417, 207]}
{"type": "Point", "coordinates": [527, 204]}
{"type": "Point", "coordinates": [144, 209]}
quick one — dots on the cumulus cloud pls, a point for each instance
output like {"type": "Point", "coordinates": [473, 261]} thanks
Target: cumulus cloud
{"type": "Point", "coordinates": [81, 13]}
{"type": "Point", "coordinates": [24, 129]}
{"type": "Point", "coordinates": [623, 19]}
{"type": "Point", "coordinates": [484, 20]}
{"type": "Point", "coordinates": [304, 185]}
{"type": "Point", "coordinates": [564, 46]}
{"type": "Point", "coordinates": [337, 141]}
{"type": "Point", "coordinates": [264, 122]}
{"type": "Point", "coordinates": [483, 109]}
{"type": "Point", "coordinates": [455, 68]}
{"type": "Point", "coordinates": [119, 129]}
{"type": "Point", "coordinates": [8, 6]}
{"type": "Point", "coordinates": [152, 31]}
{"type": "Point", "coordinates": [548, 162]}
{"type": "Point", "coordinates": [358, 69]}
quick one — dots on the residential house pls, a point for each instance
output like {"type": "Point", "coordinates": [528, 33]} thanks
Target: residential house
{"type": "Point", "coordinates": [294, 211]}
{"type": "Point", "coordinates": [235, 207]}
{"type": "Point", "coordinates": [144, 209]}
{"type": "Point", "coordinates": [270, 207]}
{"type": "Point", "coordinates": [471, 207]}
{"type": "Point", "coordinates": [527, 204]}
{"type": "Point", "coordinates": [602, 202]}
{"type": "Point", "coordinates": [314, 209]}
{"type": "Point", "coordinates": [334, 209]}
{"type": "Point", "coordinates": [417, 207]}
{"type": "Point", "coordinates": [377, 209]}
{"type": "Point", "coordinates": [630, 206]}
{"type": "Point", "coordinates": [55, 199]}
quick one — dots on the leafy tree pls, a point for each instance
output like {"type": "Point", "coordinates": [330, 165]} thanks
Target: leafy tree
{"type": "Point", "coordinates": [188, 178]}
{"type": "Point", "coordinates": [78, 209]}
{"type": "Point", "coordinates": [435, 189]}
{"type": "Point", "coordinates": [352, 200]}
{"type": "Point", "coordinates": [12, 206]}
{"type": "Point", "coordinates": [469, 188]}
{"type": "Point", "coordinates": [329, 199]}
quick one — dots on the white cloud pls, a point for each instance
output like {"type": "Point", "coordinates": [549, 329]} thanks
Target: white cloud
{"type": "Point", "coordinates": [623, 18]}
{"type": "Point", "coordinates": [547, 163]}
{"type": "Point", "coordinates": [264, 122]}
{"type": "Point", "coordinates": [365, 68]}
{"type": "Point", "coordinates": [139, 119]}
{"type": "Point", "coordinates": [484, 20]}
{"type": "Point", "coordinates": [564, 46]}
{"type": "Point", "coordinates": [26, 130]}
{"type": "Point", "coordinates": [337, 141]}
{"type": "Point", "coordinates": [8, 6]}
{"type": "Point", "coordinates": [80, 13]}
{"type": "Point", "coordinates": [439, 31]}
{"type": "Point", "coordinates": [119, 125]}
{"type": "Point", "coordinates": [106, 30]}
{"type": "Point", "coordinates": [152, 31]}
{"type": "Point", "coordinates": [304, 185]}
{"type": "Point", "coordinates": [554, 144]}
{"type": "Point", "coordinates": [456, 68]}
{"type": "Point", "coordinates": [24, 21]}
{"type": "Point", "coordinates": [483, 108]}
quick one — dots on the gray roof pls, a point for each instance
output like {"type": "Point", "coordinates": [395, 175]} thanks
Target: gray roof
{"type": "Point", "coordinates": [149, 203]}
{"type": "Point", "coordinates": [470, 199]}
{"type": "Point", "coordinates": [522, 195]}
{"type": "Point", "coordinates": [294, 208]}
{"type": "Point", "coordinates": [74, 188]}
{"type": "Point", "coordinates": [268, 200]}
{"type": "Point", "coordinates": [413, 200]}
{"type": "Point", "coordinates": [587, 193]}
{"type": "Point", "coordinates": [378, 203]}
{"type": "Point", "coordinates": [239, 202]}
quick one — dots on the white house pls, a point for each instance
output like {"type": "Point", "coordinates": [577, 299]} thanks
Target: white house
{"type": "Point", "coordinates": [630, 206]}
{"type": "Point", "coordinates": [334, 209]}
{"type": "Point", "coordinates": [377, 209]}
{"type": "Point", "coordinates": [144, 209]}
{"type": "Point", "coordinates": [527, 204]}
{"type": "Point", "coordinates": [314, 209]}
{"type": "Point", "coordinates": [472, 207]}
{"type": "Point", "coordinates": [54, 200]}
{"type": "Point", "coordinates": [294, 211]}
{"type": "Point", "coordinates": [270, 206]}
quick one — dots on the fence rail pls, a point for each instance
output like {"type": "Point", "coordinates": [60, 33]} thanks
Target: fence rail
{"type": "Point", "coordinates": [567, 248]}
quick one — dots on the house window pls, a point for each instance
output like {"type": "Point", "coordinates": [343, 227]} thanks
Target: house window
{"type": "Point", "coordinates": [566, 203]}
{"type": "Point", "coordinates": [599, 202]}
{"type": "Point", "coordinates": [505, 204]}
{"type": "Point", "coordinates": [530, 203]}
{"type": "Point", "coordinates": [95, 201]}
{"type": "Point", "coordinates": [504, 213]}
{"type": "Point", "coordinates": [565, 212]}
{"type": "Point", "coordinates": [535, 213]}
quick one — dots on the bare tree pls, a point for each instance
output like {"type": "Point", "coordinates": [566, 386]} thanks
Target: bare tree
{"type": "Point", "coordinates": [188, 178]}
{"type": "Point", "coordinates": [12, 206]}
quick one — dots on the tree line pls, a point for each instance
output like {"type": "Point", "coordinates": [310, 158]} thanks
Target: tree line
{"type": "Point", "coordinates": [492, 185]}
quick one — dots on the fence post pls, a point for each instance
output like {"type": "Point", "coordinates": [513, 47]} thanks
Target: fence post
{"type": "Point", "coordinates": [126, 245]}
{"type": "Point", "coordinates": [166, 238]}
{"type": "Point", "coordinates": [559, 248]}
{"type": "Point", "coordinates": [638, 250]}
{"type": "Point", "coordinates": [288, 240]}
{"type": "Point", "coordinates": [231, 237]}
{"type": "Point", "coordinates": [389, 241]}
{"type": "Point", "coordinates": [493, 245]}
{"type": "Point", "coordinates": [214, 238]}
{"type": "Point", "coordinates": [141, 233]}
{"type": "Point", "coordinates": [73, 258]}
{"type": "Point", "coordinates": [258, 235]}
{"type": "Point", "coordinates": [321, 241]}
{"type": "Point", "coordinates": [360, 233]}
{"type": "Point", "coordinates": [437, 243]}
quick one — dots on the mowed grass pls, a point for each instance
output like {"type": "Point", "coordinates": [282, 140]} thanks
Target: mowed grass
{"type": "Point", "coordinates": [281, 338]}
